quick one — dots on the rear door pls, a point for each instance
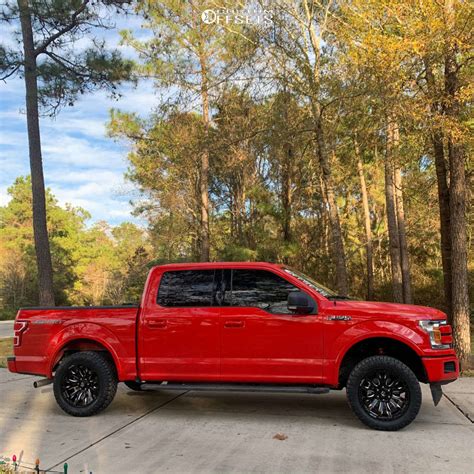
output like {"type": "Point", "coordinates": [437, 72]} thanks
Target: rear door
{"type": "Point", "coordinates": [179, 336]}
{"type": "Point", "coordinates": [262, 341]}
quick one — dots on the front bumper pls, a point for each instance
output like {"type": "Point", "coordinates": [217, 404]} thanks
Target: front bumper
{"type": "Point", "coordinates": [443, 369]}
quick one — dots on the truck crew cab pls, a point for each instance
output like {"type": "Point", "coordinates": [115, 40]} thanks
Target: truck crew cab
{"type": "Point", "coordinates": [240, 326]}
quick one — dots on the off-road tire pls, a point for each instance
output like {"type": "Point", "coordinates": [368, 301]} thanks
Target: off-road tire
{"type": "Point", "coordinates": [395, 369]}
{"type": "Point", "coordinates": [103, 371]}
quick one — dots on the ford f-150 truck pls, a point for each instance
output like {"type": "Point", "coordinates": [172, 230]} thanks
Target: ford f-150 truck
{"type": "Point", "coordinates": [240, 326]}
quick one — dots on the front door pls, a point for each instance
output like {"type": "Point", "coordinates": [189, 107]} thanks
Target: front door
{"type": "Point", "coordinates": [179, 334]}
{"type": "Point", "coordinates": [262, 341]}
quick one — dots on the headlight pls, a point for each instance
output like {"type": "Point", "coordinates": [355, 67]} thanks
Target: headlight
{"type": "Point", "coordinates": [434, 331]}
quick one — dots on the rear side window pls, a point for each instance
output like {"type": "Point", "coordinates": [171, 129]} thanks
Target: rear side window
{"type": "Point", "coordinates": [186, 288]}
{"type": "Point", "coordinates": [261, 289]}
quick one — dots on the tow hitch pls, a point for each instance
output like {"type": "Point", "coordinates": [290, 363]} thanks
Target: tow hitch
{"type": "Point", "coordinates": [436, 392]}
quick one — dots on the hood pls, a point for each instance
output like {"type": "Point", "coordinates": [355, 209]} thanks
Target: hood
{"type": "Point", "coordinates": [390, 309]}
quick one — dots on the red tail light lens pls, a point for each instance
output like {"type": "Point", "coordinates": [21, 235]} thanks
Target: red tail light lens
{"type": "Point", "coordinates": [18, 329]}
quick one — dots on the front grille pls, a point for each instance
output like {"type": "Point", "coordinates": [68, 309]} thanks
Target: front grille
{"type": "Point", "coordinates": [449, 367]}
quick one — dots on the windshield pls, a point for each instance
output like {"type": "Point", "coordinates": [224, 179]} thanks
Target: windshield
{"type": "Point", "coordinates": [311, 283]}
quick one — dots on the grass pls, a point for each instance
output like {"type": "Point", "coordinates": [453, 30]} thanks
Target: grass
{"type": "Point", "coordinates": [7, 314]}
{"type": "Point", "coordinates": [6, 349]}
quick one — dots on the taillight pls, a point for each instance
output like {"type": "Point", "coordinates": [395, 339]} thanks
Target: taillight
{"type": "Point", "coordinates": [18, 329]}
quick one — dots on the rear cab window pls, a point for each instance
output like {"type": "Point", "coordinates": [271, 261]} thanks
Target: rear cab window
{"type": "Point", "coordinates": [186, 288]}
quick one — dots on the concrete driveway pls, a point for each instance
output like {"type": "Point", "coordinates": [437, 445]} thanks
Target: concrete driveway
{"type": "Point", "coordinates": [6, 329]}
{"type": "Point", "coordinates": [152, 432]}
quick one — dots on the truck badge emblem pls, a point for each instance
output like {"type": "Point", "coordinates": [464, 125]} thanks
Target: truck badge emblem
{"type": "Point", "coordinates": [339, 318]}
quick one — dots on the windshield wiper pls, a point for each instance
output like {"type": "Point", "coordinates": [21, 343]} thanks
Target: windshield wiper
{"type": "Point", "coordinates": [338, 297]}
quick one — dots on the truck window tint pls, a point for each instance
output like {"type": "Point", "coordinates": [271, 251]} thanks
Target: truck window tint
{"type": "Point", "coordinates": [262, 289]}
{"type": "Point", "coordinates": [186, 288]}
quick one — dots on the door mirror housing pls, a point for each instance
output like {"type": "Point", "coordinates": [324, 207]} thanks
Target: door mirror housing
{"type": "Point", "coordinates": [301, 303]}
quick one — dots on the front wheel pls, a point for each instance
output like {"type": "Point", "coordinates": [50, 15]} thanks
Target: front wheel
{"type": "Point", "coordinates": [85, 383]}
{"type": "Point", "coordinates": [384, 393]}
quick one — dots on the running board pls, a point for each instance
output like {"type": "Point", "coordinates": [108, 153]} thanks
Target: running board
{"type": "Point", "coordinates": [230, 387]}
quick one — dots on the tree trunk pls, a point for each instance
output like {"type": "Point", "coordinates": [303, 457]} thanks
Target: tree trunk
{"type": "Point", "coordinates": [393, 235]}
{"type": "Point", "coordinates": [404, 257]}
{"type": "Point", "coordinates": [337, 243]}
{"type": "Point", "coordinates": [239, 206]}
{"type": "Point", "coordinates": [460, 294]}
{"type": "Point", "coordinates": [286, 191]}
{"type": "Point", "coordinates": [367, 225]}
{"type": "Point", "coordinates": [40, 230]}
{"type": "Point", "coordinates": [444, 219]}
{"type": "Point", "coordinates": [204, 175]}
{"type": "Point", "coordinates": [457, 206]}
{"type": "Point", "coordinates": [437, 140]}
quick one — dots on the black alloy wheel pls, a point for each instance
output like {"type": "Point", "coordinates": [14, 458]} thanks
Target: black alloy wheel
{"type": "Point", "coordinates": [80, 385]}
{"type": "Point", "coordinates": [384, 396]}
{"type": "Point", "coordinates": [85, 383]}
{"type": "Point", "coordinates": [384, 393]}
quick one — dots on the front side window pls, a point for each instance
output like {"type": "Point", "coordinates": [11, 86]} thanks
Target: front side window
{"type": "Point", "coordinates": [261, 289]}
{"type": "Point", "coordinates": [186, 288]}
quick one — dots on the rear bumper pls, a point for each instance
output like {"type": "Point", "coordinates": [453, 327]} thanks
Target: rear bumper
{"type": "Point", "coordinates": [30, 366]}
{"type": "Point", "coordinates": [11, 363]}
{"type": "Point", "coordinates": [441, 369]}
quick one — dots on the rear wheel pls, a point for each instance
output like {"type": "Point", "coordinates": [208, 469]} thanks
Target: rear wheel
{"type": "Point", "coordinates": [85, 383]}
{"type": "Point", "coordinates": [384, 393]}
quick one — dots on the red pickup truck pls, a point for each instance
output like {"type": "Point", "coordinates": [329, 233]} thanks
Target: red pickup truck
{"type": "Point", "coordinates": [240, 326]}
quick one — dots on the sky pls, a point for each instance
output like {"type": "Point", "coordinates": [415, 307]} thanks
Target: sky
{"type": "Point", "coordinates": [82, 166]}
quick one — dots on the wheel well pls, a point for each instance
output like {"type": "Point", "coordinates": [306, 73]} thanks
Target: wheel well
{"type": "Point", "coordinates": [381, 346]}
{"type": "Point", "coordinates": [80, 345]}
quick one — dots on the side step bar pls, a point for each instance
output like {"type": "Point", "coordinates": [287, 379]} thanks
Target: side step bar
{"type": "Point", "coordinates": [232, 387]}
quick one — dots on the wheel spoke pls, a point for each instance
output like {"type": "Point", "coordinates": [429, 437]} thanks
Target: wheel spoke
{"type": "Point", "coordinates": [384, 396]}
{"type": "Point", "coordinates": [80, 386]}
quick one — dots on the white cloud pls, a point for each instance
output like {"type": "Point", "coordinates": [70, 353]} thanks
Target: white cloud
{"type": "Point", "coordinates": [82, 165]}
{"type": "Point", "coordinates": [4, 198]}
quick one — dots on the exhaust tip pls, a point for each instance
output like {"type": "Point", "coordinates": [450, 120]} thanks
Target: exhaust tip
{"type": "Point", "coordinates": [42, 382]}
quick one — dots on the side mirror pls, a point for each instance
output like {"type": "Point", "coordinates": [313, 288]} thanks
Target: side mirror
{"type": "Point", "coordinates": [300, 303]}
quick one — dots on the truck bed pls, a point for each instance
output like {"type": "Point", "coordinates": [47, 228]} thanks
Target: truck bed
{"type": "Point", "coordinates": [50, 331]}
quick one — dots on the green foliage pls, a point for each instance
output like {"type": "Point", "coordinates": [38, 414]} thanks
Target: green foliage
{"type": "Point", "coordinates": [338, 66]}
{"type": "Point", "coordinates": [18, 267]}
{"type": "Point", "coordinates": [66, 68]}
{"type": "Point", "coordinates": [96, 265]}
{"type": "Point", "coordinates": [267, 196]}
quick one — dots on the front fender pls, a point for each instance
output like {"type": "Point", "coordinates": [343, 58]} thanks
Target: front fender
{"type": "Point", "coordinates": [90, 331]}
{"type": "Point", "coordinates": [368, 330]}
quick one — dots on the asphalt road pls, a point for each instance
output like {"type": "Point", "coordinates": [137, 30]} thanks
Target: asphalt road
{"type": "Point", "coordinates": [152, 432]}
{"type": "Point", "coordinates": [6, 329]}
